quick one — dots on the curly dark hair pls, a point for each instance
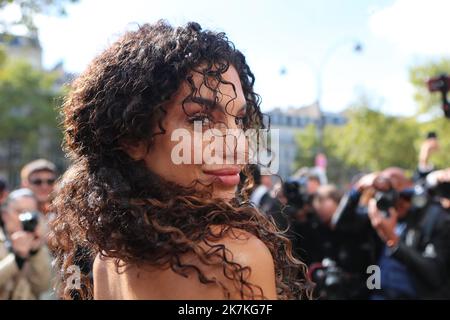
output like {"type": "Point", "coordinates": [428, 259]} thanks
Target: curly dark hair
{"type": "Point", "coordinates": [108, 203]}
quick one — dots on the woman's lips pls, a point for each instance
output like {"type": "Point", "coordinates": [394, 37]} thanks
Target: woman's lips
{"type": "Point", "coordinates": [227, 176]}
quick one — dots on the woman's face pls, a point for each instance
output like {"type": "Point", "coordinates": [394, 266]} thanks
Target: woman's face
{"type": "Point", "coordinates": [199, 160]}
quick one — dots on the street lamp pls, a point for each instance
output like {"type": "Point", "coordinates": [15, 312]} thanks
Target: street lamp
{"type": "Point", "coordinates": [318, 70]}
{"type": "Point", "coordinates": [357, 48]}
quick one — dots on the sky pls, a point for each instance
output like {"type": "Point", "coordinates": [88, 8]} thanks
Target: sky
{"type": "Point", "coordinates": [312, 41]}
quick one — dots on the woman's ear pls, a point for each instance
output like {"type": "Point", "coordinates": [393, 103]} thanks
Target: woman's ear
{"type": "Point", "coordinates": [135, 149]}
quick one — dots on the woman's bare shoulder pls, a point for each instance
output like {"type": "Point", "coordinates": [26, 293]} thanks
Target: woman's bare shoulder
{"type": "Point", "coordinates": [242, 247]}
{"type": "Point", "coordinates": [245, 246]}
{"type": "Point", "coordinates": [249, 251]}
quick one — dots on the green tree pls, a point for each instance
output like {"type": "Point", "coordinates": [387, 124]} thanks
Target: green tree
{"type": "Point", "coordinates": [419, 75]}
{"type": "Point", "coordinates": [431, 102]}
{"type": "Point", "coordinates": [307, 141]}
{"type": "Point", "coordinates": [441, 126]}
{"type": "Point", "coordinates": [370, 141]}
{"type": "Point", "coordinates": [28, 121]}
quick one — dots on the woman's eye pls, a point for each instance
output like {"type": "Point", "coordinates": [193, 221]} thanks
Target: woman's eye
{"type": "Point", "coordinates": [203, 118]}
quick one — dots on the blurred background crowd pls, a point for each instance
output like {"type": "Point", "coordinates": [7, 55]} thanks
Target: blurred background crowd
{"type": "Point", "coordinates": [25, 262]}
{"type": "Point", "coordinates": [386, 223]}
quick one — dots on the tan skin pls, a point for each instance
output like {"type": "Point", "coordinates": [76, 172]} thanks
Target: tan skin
{"type": "Point", "coordinates": [428, 147]}
{"type": "Point", "coordinates": [43, 190]}
{"type": "Point", "coordinates": [325, 207]}
{"type": "Point", "coordinates": [145, 282]}
{"type": "Point", "coordinates": [312, 186]}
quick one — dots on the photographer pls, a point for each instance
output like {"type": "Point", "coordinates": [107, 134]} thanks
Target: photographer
{"type": "Point", "coordinates": [316, 238]}
{"type": "Point", "coordinates": [415, 263]}
{"type": "Point", "coordinates": [338, 252]}
{"type": "Point", "coordinates": [25, 264]}
{"type": "Point", "coordinates": [290, 204]}
{"type": "Point", "coordinates": [341, 248]}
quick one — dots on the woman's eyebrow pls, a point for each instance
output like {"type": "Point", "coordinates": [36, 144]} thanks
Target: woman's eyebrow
{"type": "Point", "coordinates": [212, 104]}
{"type": "Point", "coordinates": [203, 101]}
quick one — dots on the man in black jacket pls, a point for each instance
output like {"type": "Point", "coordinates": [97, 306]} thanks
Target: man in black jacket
{"type": "Point", "coordinates": [415, 263]}
{"type": "Point", "coordinates": [414, 257]}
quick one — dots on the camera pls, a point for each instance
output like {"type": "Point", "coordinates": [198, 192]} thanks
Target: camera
{"type": "Point", "coordinates": [386, 200]}
{"type": "Point", "coordinates": [442, 190]}
{"type": "Point", "coordinates": [29, 220]}
{"type": "Point", "coordinates": [296, 192]}
{"type": "Point", "coordinates": [330, 280]}
{"type": "Point", "coordinates": [441, 84]}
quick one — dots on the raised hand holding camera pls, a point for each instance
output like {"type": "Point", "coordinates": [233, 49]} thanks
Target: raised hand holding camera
{"type": "Point", "coordinates": [21, 243]}
{"type": "Point", "coordinates": [385, 226]}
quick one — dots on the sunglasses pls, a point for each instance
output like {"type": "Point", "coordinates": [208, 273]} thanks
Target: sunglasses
{"type": "Point", "coordinates": [38, 182]}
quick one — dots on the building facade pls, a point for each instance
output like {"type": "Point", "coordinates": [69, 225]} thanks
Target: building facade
{"type": "Point", "coordinates": [12, 157]}
{"type": "Point", "coordinates": [290, 122]}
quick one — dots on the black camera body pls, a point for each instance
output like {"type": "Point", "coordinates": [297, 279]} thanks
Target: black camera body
{"type": "Point", "coordinates": [441, 84]}
{"type": "Point", "coordinates": [29, 220]}
{"type": "Point", "coordinates": [442, 190]}
{"type": "Point", "coordinates": [296, 192]}
{"type": "Point", "coordinates": [386, 200]}
{"type": "Point", "coordinates": [330, 280]}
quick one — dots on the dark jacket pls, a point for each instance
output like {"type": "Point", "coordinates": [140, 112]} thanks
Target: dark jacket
{"type": "Point", "coordinates": [424, 247]}
{"type": "Point", "coordinates": [425, 250]}
{"type": "Point", "coordinates": [351, 243]}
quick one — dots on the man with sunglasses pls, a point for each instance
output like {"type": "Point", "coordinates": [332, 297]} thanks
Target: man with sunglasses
{"type": "Point", "coordinates": [39, 176]}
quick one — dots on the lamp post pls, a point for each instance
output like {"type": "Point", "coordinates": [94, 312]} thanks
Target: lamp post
{"type": "Point", "coordinates": [357, 48]}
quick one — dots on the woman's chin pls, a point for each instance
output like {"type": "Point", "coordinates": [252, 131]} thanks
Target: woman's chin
{"type": "Point", "coordinates": [224, 193]}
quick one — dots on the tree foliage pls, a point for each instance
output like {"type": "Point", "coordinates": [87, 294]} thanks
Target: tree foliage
{"type": "Point", "coordinates": [29, 9]}
{"type": "Point", "coordinates": [28, 117]}
{"type": "Point", "coordinates": [419, 75]}
{"type": "Point", "coordinates": [431, 102]}
{"type": "Point", "coordinates": [372, 140]}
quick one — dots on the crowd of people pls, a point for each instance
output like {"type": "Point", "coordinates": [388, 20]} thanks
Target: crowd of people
{"type": "Point", "coordinates": [384, 221]}
{"type": "Point", "coordinates": [25, 261]}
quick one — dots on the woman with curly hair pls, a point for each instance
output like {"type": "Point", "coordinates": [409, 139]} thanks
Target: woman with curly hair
{"type": "Point", "coordinates": [157, 229]}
